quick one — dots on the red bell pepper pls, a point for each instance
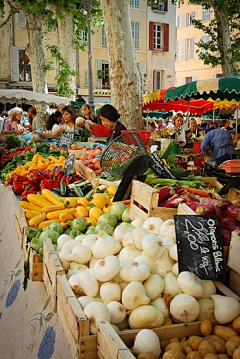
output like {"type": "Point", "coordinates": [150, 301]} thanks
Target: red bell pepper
{"type": "Point", "coordinates": [17, 187]}
{"type": "Point", "coordinates": [36, 175]}
{"type": "Point", "coordinates": [57, 173]}
{"type": "Point", "coordinates": [25, 193]}
{"type": "Point", "coordinates": [67, 179]}
{"type": "Point", "coordinates": [31, 186]}
{"type": "Point", "coordinates": [19, 178]}
{"type": "Point", "coordinates": [77, 178]}
{"type": "Point", "coordinates": [49, 184]}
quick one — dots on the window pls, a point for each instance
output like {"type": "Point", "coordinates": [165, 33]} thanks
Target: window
{"type": "Point", "coordinates": [191, 48]}
{"type": "Point", "coordinates": [192, 16]}
{"type": "Point", "coordinates": [24, 67]}
{"type": "Point", "coordinates": [103, 37]}
{"type": "Point", "coordinates": [178, 3]}
{"type": "Point", "coordinates": [183, 81]}
{"type": "Point", "coordinates": [157, 79]}
{"type": "Point", "coordinates": [158, 36]}
{"type": "Point", "coordinates": [86, 78]}
{"type": "Point", "coordinates": [206, 15]}
{"type": "Point", "coordinates": [183, 56]}
{"type": "Point", "coordinates": [84, 35]}
{"type": "Point", "coordinates": [102, 74]}
{"type": "Point", "coordinates": [161, 6]}
{"type": "Point", "coordinates": [177, 51]}
{"type": "Point", "coordinates": [21, 20]}
{"type": "Point", "coordinates": [205, 39]}
{"type": "Point", "coordinates": [184, 20]}
{"type": "Point", "coordinates": [135, 33]}
{"type": "Point", "coordinates": [188, 80]}
{"type": "Point", "coordinates": [134, 3]}
{"type": "Point", "coordinates": [178, 21]}
{"type": "Point", "coordinates": [14, 63]}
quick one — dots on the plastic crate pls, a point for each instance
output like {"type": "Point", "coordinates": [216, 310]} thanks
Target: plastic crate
{"type": "Point", "coordinates": [144, 135]}
{"type": "Point", "coordinates": [222, 176]}
{"type": "Point", "coordinates": [100, 131]}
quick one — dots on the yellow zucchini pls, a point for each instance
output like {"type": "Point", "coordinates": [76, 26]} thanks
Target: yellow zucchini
{"type": "Point", "coordinates": [31, 206]}
{"type": "Point", "coordinates": [30, 214]}
{"type": "Point", "coordinates": [69, 203]}
{"type": "Point", "coordinates": [55, 214]}
{"type": "Point", "coordinates": [39, 201]}
{"type": "Point", "coordinates": [44, 224]}
{"type": "Point", "coordinates": [52, 208]}
{"type": "Point", "coordinates": [63, 199]}
{"type": "Point", "coordinates": [65, 216]}
{"type": "Point", "coordinates": [37, 219]}
{"type": "Point", "coordinates": [64, 225]}
{"type": "Point", "coordinates": [50, 196]}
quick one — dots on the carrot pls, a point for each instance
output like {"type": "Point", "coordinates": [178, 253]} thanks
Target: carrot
{"type": "Point", "coordinates": [198, 192]}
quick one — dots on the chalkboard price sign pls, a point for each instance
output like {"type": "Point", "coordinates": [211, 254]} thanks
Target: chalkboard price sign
{"type": "Point", "coordinates": [69, 164]}
{"type": "Point", "coordinates": [158, 166]}
{"type": "Point", "coordinates": [66, 140]}
{"type": "Point", "coordinates": [200, 246]}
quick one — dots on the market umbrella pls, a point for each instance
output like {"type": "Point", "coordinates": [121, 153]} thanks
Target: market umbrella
{"type": "Point", "coordinates": [30, 97]}
{"type": "Point", "coordinates": [222, 88]}
{"type": "Point", "coordinates": [157, 114]}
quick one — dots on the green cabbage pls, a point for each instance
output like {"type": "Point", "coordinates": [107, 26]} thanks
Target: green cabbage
{"type": "Point", "coordinates": [108, 218]}
{"type": "Point", "coordinates": [56, 226]}
{"type": "Point", "coordinates": [118, 209]}
{"type": "Point", "coordinates": [104, 227]}
{"type": "Point", "coordinates": [78, 224]}
{"type": "Point", "coordinates": [49, 233]}
{"type": "Point", "coordinates": [91, 230]}
{"type": "Point", "coordinates": [125, 215]}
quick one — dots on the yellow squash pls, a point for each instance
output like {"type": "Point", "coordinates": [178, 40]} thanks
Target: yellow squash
{"type": "Point", "coordinates": [55, 214]}
{"type": "Point", "coordinates": [50, 196]}
{"type": "Point", "coordinates": [38, 200]}
{"type": "Point", "coordinates": [37, 219]}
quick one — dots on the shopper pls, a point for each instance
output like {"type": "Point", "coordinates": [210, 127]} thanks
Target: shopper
{"type": "Point", "coordinates": [54, 121]}
{"type": "Point", "coordinates": [15, 115]}
{"type": "Point", "coordinates": [226, 126]}
{"type": "Point", "coordinates": [220, 142]}
{"type": "Point", "coordinates": [212, 126]}
{"type": "Point", "coordinates": [88, 114]}
{"type": "Point", "coordinates": [37, 122]}
{"type": "Point", "coordinates": [180, 135]}
{"type": "Point", "coordinates": [109, 118]}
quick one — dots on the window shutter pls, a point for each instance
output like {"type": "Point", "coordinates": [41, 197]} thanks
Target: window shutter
{"type": "Point", "coordinates": [14, 63]}
{"type": "Point", "coordinates": [98, 67]}
{"type": "Point", "coordinates": [183, 80]}
{"type": "Point", "coordinates": [151, 35]}
{"type": "Point", "coordinates": [166, 6]}
{"type": "Point", "coordinates": [177, 51]}
{"type": "Point", "coordinates": [86, 77]}
{"type": "Point", "coordinates": [214, 76]}
{"type": "Point", "coordinates": [21, 20]}
{"type": "Point", "coordinates": [178, 21]}
{"type": "Point", "coordinates": [166, 37]}
{"type": "Point", "coordinates": [184, 20]}
{"type": "Point", "coordinates": [136, 33]}
{"type": "Point", "coordinates": [194, 78]}
{"type": "Point", "coordinates": [183, 57]}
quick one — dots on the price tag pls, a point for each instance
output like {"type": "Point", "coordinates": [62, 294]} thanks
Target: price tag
{"type": "Point", "coordinates": [200, 246]}
{"type": "Point", "coordinates": [69, 164]}
{"type": "Point", "coordinates": [158, 166]}
{"type": "Point", "coordinates": [66, 140]}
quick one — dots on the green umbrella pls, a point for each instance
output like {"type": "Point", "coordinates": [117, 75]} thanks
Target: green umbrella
{"type": "Point", "coordinates": [158, 114]}
{"type": "Point", "coordinates": [221, 88]}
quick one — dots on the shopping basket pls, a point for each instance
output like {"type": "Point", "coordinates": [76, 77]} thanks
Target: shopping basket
{"type": "Point", "coordinates": [144, 135]}
{"type": "Point", "coordinates": [100, 130]}
{"type": "Point", "coordinates": [125, 156]}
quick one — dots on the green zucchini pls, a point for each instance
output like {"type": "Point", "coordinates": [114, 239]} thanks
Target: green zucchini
{"type": "Point", "coordinates": [78, 191]}
{"type": "Point", "coordinates": [63, 188]}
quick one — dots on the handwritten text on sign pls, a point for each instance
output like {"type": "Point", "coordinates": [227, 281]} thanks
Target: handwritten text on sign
{"type": "Point", "coordinates": [200, 246]}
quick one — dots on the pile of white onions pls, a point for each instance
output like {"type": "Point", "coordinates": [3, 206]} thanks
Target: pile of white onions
{"type": "Point", "coordinates": [131, 279]}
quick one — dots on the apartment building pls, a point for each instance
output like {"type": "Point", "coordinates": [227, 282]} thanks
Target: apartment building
{"type": "Point", "coordinates": [188, 66]}
{"type": "Point", "coordinates": [154, 38]}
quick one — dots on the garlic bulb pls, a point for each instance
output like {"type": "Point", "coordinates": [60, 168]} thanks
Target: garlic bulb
{"type": "Point", "coordinates": [145, 316]}
{"type": "Point", "coordinates": [84, 283]}
{"type": "Point", "coordinates": [80, 254]}
{"type": "Point", "coordinates": [134, 295]}
{"type": "Point", "coordinates": [74, 271]}
{"type": "Point", "coordinates": [175, 269]}
{"type": "Point", "coordinates": [119, 233]}
{"type": "Point", "coordinates": [168, 229]}
{"type": "Point", "coordinates": [170, 285]}
{"type": "Point", "coordinates": [105, 246]}
{"type": "Point", "coordinates": [70, 244]}
{"type": "Point", "coordinates": [75, 265]}
{"type": "Point", "coordinates": [184, 308]}
{"type": "Point", "coordinates": [110, 291]}
{"type": "Point", "coordinates": [96, 311]}
{"type": "Point", "coordinates": [206, 309]}
{"type": "Point", "coordinates": [153, 224]}
{"type": "Point", "coordinates": [163, 264]}
{"type": "Point", "coordinates": [148, 260]}
{"type": "Point", "coordinates": [80, 238]}
{"type": "Point", "coordinates": [153, 286]}
{"type": "Point", "coordinates": [126, 226]}
{"type": "Point", "coordinates": [123, 285]}
{"type": "Point", "coordinates": [138, 234]}
{"type": "Point", "coordinates": [85, 300]}
{"type": "Point", "coordinates": [118, 312]}
{"type": "Point", "coordinates": [89, 240]}
{"type": "Point", "coordinates": [161, 305]}
{"type": "Point", "coordinates": [63, 238]}
{"type": "Point", "coordinates": [138, 222]}
{"type": "Point", "coordinates": [128, 253]}
{"type": "Point", "coordinates": [209, 288]}
{"type": "Point", "coordinates": [92, 262]}
{"type": "Point", "coordinates": [134, 271]}
{"type": "Point", "coordinates": [106, 269]}
{"type": "Point", "coordinates": [168, 242]}
{"type": "Point", "coordinates": [173, 253]}
{"type": "Point", "coordinates": [226, 309]}
{"type": "Point", "coordinates": [152, 246]}
{"type": "Point", "coordinates": [128, 239]}
{"type": "Point", "coordinates": [147, 341]}
{"type": "Point", "coordinates": [189, 283]}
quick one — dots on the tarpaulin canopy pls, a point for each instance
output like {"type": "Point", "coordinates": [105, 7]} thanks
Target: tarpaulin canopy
{"type": "Point", "coordinates": [222, 88]}
{"type": "Point", "coordinates": [30, 97]}
{"type": "Point", "coordinates": [157, 114]}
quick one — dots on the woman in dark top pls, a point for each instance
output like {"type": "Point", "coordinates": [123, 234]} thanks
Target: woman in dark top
{"type": "Point", "coordinates": [54, 121]}
{"type": "Point", "coordinates": [109, 118]}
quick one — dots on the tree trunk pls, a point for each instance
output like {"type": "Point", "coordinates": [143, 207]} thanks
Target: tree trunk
{"type": "Point", "coordinates": [66, 46]}
{"type": "Point", "coordinates": [34, 51]}
{"type": "Point", "coordinates": [126, 84]}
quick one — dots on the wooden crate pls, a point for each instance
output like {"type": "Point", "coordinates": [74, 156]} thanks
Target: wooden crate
{"type": "Point", "coordinates": [233, 263]}
{"type": "Point", "coordinates": [20, 225]}
{"type": "Point", "coordinates": [35, 266]}
{"type": "Point", "coordinates": [74, 322]}
{"type": "Point", "coordinates": [234, 194]}
{"type": "Point", "coordinates": [84, 171]}
{"type": "Point", "coordinates": [51, 268]}
{"type": "Point", "coordinates": [144, 203]}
